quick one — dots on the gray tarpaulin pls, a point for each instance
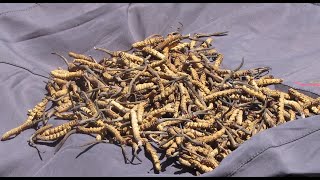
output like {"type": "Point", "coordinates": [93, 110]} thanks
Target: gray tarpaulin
{"type": "Point", "coordinates": [285, 37]}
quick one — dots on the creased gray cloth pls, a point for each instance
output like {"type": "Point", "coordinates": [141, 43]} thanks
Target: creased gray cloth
{"type": "Point", "coordinates": [284, 37]}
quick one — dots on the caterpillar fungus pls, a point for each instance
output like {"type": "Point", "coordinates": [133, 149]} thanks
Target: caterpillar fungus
{"type": "Point", "coordinates": [169, 94]}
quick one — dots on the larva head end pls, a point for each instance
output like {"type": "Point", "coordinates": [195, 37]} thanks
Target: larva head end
{"type": "Point", "coordinates": [4, 137]}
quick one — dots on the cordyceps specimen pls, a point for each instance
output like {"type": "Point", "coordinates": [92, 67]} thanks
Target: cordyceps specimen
{"type": "Point", "coordinates": [166, 95]}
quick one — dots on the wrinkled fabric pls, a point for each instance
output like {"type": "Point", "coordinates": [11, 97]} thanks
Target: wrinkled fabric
{"type": "Point", "coordinates": [284, 37]}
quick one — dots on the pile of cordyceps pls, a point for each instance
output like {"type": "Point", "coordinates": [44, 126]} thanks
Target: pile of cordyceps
{"type": "Point", "coordinates": [166, 95]}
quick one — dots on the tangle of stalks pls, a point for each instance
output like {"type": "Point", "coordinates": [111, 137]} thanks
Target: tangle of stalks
{"type": "Point", "coordinates": [166, 95]}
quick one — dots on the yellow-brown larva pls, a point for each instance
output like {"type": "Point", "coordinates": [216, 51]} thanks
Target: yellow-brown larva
{"type": "Point", "coordinates": [61, 92]}
{"type": "Point", "coordinates": [80, 56]}
{"type": "Point", "coordinates": [90, 130]}
{"type": "Point", "coordinates": [180, 46]}
{"type": "Point", "coordinates": [64, 99]}
{"type": "Point", "coordinates": [63, 107]}
{"type": "Point", "coordinates": [154, 156]}
{"type": "Point", "coordinates": [51, 90]}
{"type": "Point", "coordinates": [179, 140]}
{"type": "Point", "coordinates": [147, 42]}
{"type": "Point", "coordinates": [132, 57]}
{"type": "Point", "coordinates": [274, 93]}
{"type": "Point", "coordinates": [218, 62]}
{"type": "Point", "coordinates": [39, 131]}
{"type": "Point", "coordinates": [295, 106]}
{"type": "Point", "coordinates": [242, 73]}
{"type": "Point", "coordinates": [253, 83]}
{"type": "Point", "coordinates": [154, 52]}
{"type": "Point", "coordinates": [199, 104]}
{"type": "Point", "coordinates": [161, 82]}
{"type": "Point", "coordinates": [194, 57]}
{"type": "Point", "coordinates": [213, 137]}
{"type": "Point", "coordinates": [59, 128]}
{"type": "Point", "coordinates": [92, 107]}
{"type": "Point", "coordinates": [171, 149]}
{"type": "Point", "coordinates": [161, 111]}
{"type": "Point", "coordinates": [201, 167]}
{"type": "Point", "coordinates": [143, 73]}
{"type": "Point", "coordinates": [98, 137]}
{"type": "Point", "coordinates": [203, 78]}
{"type": "Point", "coordinates": [269, 120]}
{"type": "Point", "coordinates": [193, 131]}
{"type": "Point", "coordinates": [210, 162]}
{"type": "Point", "coordinates": [167, 70]}
{"type": "Point", "coordinates": [107, 75]}
{"type": "Point", "coordinates": [184, 162]}
{"type": "Point", "coordinates": [269, 76]}
{"type": "Point", "coordinates": [165, 52]}
{"type": "Point", "coordinates": [221, 93]}
{"type": "Point", "coordinates": [140, 111]}
{"type": "Point", "coordinates": [315, 109]}
{"type": "Point", "coordinates": [60, 81]}
{"type": "Point", "coordinates": [180, 57]}
{"type": "Point", "coordinates": [233, 115]}
{"type": "Point", "coordinates": [281, 109]}
{"type": "Point", "coordinates": [128, 62]}
{"type": "Point", "coordinates": [17, 130]}
{"type": "Point", "coordinates": [66, 116]}
{"type": "Point", "coordinates": [254, 93]}
{"type": "Point", "coordinates": [306, 112]}
{"type": "Point", "coordinates": [140, 87]}
{"type": "Point", "coordinates": [205, 151]}
{"type": "Point", "coordinates": [169, 90]}
{"type": "Point", "coordinates": [195, 125]}
{"type": "Point", "coordinates": [167, 144]}
{"type": "Point", "coordinates": [112, 114]}
{"type": "Point", "coordinates": [66, 75]}
{"type": "Point", "coordinates": [126, 116]}
{"type": "Point", "coordinates": [292, 115]}
{"type": "Point", "coordinates": [164, 75]}
{"type": "Point", "coordinates": [207, 43]}
{"type": "Point", "coordinates": [171, 98]}
{"type": "Point", "coordinates": [239, 117]}
{"type": "Point", "coordinates": [135, 127]}
{"type": "Point", "coordinates": [192, 44]}
{"type": "Point", "coordinates": [158, 63]}
{"type": "Point", "coordinates": [115, 133]}
{"type": "Point", "coordinates": [177, 63]}
{"type": "Point", "coordinates": [221, 87]}
{"type": "Point", "coordinates": [100, 123]}
{"type": "Point", "coordinates": [89, 64]}
{"type": "Point", "coordinates": [117, 105]}
{"type": "Point", "coordinates": [316, 102]}
{"type": "Point", "coordinates": [244, 98]}
{"type": "Point", "coordinates": [161, 126]}
{"type": "Point", "coordinates": [266, 82]}
{"type": "Point", "coordinates": [196, 60]}
{"type": "Point", "coordinates": [86, 110]}
{"type": "Point", "coordinates": [54, 136]}
{"type": "Point", "coordinates": [38, 110]}
{"type": "Point", "coordinates": [96, 82]}
{"type": "Point", "coordinates": [172, 67]}
{"type": "Point", "coordinates": [300, 96]}
{"type": "Point", "coordinates": [176, 107]}
{"type": "Point", "coordinates": [203, 87]}
{"type": "Point", "coordinates": [172, 44]}
{"type": "Point", "coordinates": [152, 121]}
{"type": "Point", "coordinates": [167, 41]}
{"type": "Point", "coordinates": [184, 98]}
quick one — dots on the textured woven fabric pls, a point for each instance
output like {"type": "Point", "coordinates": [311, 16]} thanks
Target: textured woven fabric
{"type": "Point", "coordinates": [284, 37]}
